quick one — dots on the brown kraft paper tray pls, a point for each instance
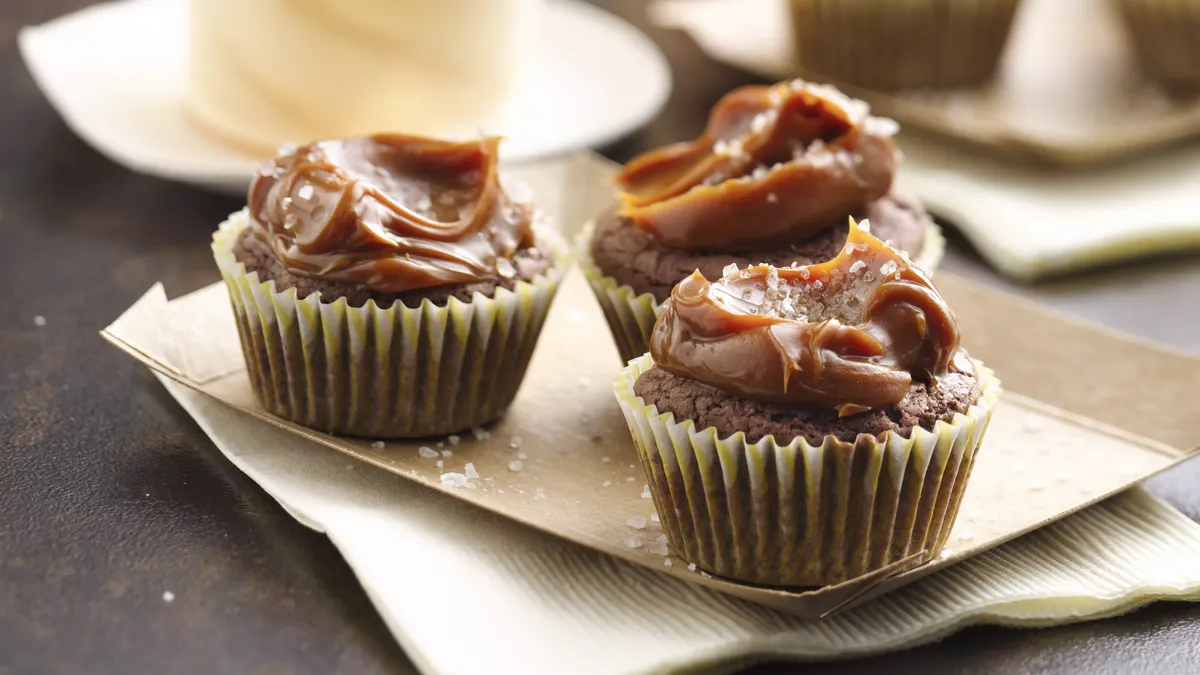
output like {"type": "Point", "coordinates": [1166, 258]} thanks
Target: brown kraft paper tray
{"type": "Point", "coordinates": [1086, 413]}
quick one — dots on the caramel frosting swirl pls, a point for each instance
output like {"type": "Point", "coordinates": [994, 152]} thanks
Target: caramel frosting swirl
{"type": "Point", "coordinates": [390, 212]}
{"type": "Point", "coordinates": [851, 333]}
{"type": "Point", "coordinates": [775, 165]}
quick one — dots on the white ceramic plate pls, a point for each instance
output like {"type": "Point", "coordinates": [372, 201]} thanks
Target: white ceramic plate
{"type": "Point", "coordinates": [115, 72]}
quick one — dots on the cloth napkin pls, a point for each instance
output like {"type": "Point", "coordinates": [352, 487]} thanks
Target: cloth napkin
{"type": "Point", "coordinates": [466, 591]}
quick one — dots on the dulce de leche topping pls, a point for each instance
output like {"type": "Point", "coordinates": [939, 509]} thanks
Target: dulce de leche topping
{"type": "Point", "coordinates": [390, 212]}
{"type": "Point", "coordinates": [775, 165]}
{"type": "Point", "coordinates": [851, 333]}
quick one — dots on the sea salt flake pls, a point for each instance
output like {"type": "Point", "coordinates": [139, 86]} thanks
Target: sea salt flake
{"type": "Point", "coordinates": [305, 192]}
{"type": "Point", "coordinates": [645, 492]}
{"type": "Point", "coordinates": [447, 453]}
{"type": "Point", "coordinates": [887, 267]}
{"type": "Point", "coordinates": [865, 226]}
{"type": "Point", "coordinates": [632, 542]}
{"type": "Point", "coordinates": [636, 522]}
{"type": "Point", "coordinates": [453, 439]}
{"type": "Point", "coordinates": [858, 265]}
{"type": "Point", "coordinates": [441, 464]}
{"type": "Point", "coordinates": [654, 518]}
{"type": "Point", "coordinates": [481, 434]}
{"type": "Point", "coordinates": [427, 452]}
{"type": "Point", "coordinates": [515, 465]}
{"type": "Point", "coordinates": [469, 470]}
{"type": "Point", "coordinates": [659, 547]}
{"type": "Point", "coordinates": [454, 480]}
{"type": "Point", "coordinates": [691, 567]}
{"type": "Point", "coordinates": [667, 562]}
{"type": "Point", "coordinates": [729, 270]}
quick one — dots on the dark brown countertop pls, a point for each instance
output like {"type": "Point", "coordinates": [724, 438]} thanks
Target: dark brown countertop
{"type": "Point", "coordinates": [110, 495]}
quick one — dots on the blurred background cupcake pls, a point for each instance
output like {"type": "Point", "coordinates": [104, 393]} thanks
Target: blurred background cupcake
{"type": "Point", "coordinates": [1164, 35]}
{"type": "Point", "coordinates": [902, 44]}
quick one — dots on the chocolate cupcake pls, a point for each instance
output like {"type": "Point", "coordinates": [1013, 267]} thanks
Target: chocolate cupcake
{"type": "Point", "coordinates": [901, 44]}
{"type": "Point", "coordinates": [772, 180]}
{"type": "Point", "coordinates": [806, 425]}
{"type": "Point", "coordinates": [388, 286]}
{"type": "Point", "coordinates": [1164, 33]}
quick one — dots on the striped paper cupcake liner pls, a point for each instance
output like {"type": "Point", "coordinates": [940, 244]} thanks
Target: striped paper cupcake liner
{"type": "Point", "coordinates": [631, 315]}
{"type": "Point", "coordinates": [1163, 33]}
{"type": "Point", "coordinates": [397, 372]}
{"type": "Point", "coordinates": [901, 44]}
{"type": "Point", "coordinates": [802, 514]}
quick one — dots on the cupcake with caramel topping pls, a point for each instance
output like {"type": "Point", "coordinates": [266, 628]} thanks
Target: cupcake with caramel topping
{"type": "Point", "coordinates": [388, 286]}
{"type": "Point", "coordinates": [806, 425]}
{"type": "Point", "coordinates": [772, 180]}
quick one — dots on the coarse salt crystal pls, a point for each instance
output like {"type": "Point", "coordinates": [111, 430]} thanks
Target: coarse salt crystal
{"type": "Point", "coordinates": [654, 518]}
{"type": "Point", "coordinates": [629, 479]}
{"type": "Point", "coordinates": [481, 434]}
{"type": "Point", "coordinates": [818, 285]}
{"type": "Point", "coordinates": [168, 596]}
{"type": "Point", "coordinates": [447, 453]}
{"type": "Point", "coordinates": [441, 464]}
{"type": "Point", "coordinates": [515, 465]}
{"type": "Point", "coordinates": [888, 267]}
{"type": "Point", "coordinates": [858, 265]}
{"type": "Point", "coordinates": [659, 547]}
{"type": "Point", "coordinates": [515, 442]}
{"type": "Point", "coordinates": [691, 567]}
{"type": "Point", "coordinates": [378, 445]}
{"type": "Point", "coordinates": [632, 542]}
{"type": "Point", "coordinates": [606, 483]}
{"type": "Point", "coordinates": [636, 522]}
{"type": "Point", "coordinates": [735, 147]}
{"type": "Point", "coordinates": [454, 480]}
{"type": "Point", "coordinates": [606, 460]}
{"type": "Point", "coordinates": [305, 192]}
{"type": "Point", "coordinates": [667, 562]}
{"type": "Point", "coordinates": [521, 455]}
{"type": "Point", "coordinates": [729, 270]}
{"type": "Point", "coordinates": [469, 470]}
{"type": "Point", "coordinates": [427, 452]}
{"type": "Point", "coordinates": [760, 172]}
{"type": "Point", "coordinates": [453, 439]}
{"type": "Point", "coordinates": [645, 492]}
{"type": "Point", "coordinates": [720, 147]}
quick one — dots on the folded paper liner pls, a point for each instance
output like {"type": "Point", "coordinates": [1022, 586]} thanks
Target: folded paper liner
{"type": "Point", "coordinates": [563, 461]}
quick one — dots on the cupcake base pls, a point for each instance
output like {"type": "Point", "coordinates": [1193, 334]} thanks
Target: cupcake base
{"type": "Point", "coordinates": [801, 513]}
{"type": "Point", "coordinates": [385, 372]}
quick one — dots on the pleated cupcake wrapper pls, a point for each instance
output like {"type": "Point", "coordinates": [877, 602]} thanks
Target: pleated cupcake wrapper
{"type": "Point", "coordinates": [801, 514]}
{"type": "Point", "coordinates": [387, 373]}
{"type": "Point", "coordinates": [631, 315]}
{"type": "Point", "coordinates": [1164, 35]}
{"type": "Point", "coordinates": [901, 44]}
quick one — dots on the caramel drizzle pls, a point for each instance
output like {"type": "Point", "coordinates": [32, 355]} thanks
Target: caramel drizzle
{"type": "Point", "coordinates": [890, 328]}
{"type": "Point", "coordinates": [775, 165]}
